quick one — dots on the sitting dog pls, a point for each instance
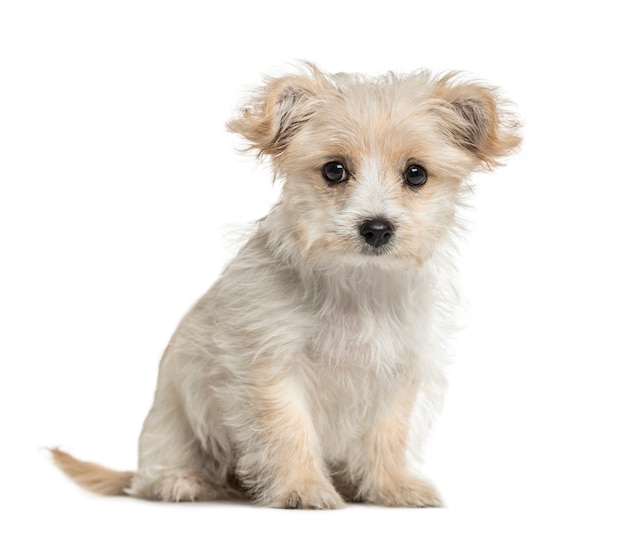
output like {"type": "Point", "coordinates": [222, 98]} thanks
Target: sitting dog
{"type": "Point", "coordinates": [308, 374]}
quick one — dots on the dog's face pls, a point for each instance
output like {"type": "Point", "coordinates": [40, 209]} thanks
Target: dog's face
{"type": "Point", "coordinates": [374, 169]}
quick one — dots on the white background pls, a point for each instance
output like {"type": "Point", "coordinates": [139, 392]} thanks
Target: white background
{"type": "Point", "coordinates": [120, 190]}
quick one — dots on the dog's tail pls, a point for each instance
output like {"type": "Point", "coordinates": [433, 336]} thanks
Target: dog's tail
{"type": "Point", "coordinates": [91, 476]}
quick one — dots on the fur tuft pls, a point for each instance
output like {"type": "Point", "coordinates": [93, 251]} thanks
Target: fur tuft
{"type": "Point", "coordinates": [91, 476]}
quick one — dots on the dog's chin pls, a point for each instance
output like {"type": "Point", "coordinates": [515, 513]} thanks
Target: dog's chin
{"type": "Point", "coordinates": [385, 257]}
{"type": "Point", "coordinates": [368, 251]}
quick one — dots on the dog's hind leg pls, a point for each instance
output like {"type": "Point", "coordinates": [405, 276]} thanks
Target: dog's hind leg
{"type": "Point", "coordinates": [172, 463]}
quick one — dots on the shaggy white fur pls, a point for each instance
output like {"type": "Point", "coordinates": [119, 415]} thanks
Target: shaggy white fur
{"type": "Point", "coordinates": [310, 371]}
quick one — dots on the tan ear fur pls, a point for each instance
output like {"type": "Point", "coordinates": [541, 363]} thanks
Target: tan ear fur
{"type": "Point", "coordinates": [270, 120]}
{"type": "Point", "coordinates": [478, 120]}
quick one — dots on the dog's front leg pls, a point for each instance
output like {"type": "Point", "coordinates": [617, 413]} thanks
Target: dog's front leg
{"type": "Point", "coordinates": [387, 478]}
{"type": "Point", "coordinates": [279, 458]}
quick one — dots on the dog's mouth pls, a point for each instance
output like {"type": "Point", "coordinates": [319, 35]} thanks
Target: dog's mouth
{"type": "Point", "coordinates": [378, 251]}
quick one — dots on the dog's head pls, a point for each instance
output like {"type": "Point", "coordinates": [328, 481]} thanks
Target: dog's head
{"type": "Point", "coordinates": [374, 168]}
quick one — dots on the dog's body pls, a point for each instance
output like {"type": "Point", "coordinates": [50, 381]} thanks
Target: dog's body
{"type": "Point", "coordinates": [296, 378]}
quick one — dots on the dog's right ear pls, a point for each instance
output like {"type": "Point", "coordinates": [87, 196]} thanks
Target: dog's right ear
{"type": "Point", "coordinates": [271, 118]}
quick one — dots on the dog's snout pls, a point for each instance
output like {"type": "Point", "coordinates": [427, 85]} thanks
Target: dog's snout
{"type": "Point", "coordinates": [376, 232]}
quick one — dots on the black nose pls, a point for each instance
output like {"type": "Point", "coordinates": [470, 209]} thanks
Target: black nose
{"type": "Point", "coordinates": [376, 232]}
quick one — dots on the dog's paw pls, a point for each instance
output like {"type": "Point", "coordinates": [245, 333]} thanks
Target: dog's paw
{"type": "Point", "coordinates": [409, 492]}
{"type": "Point", "coordinates": [181, 488]}
{"type": "Point", "coordinates": [313, 497]}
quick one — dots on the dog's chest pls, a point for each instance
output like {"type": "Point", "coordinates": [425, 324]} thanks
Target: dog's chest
{"type": "Point", "coordinates": [353, 363]}
{"type": "Point", "coordinates": [360, 344]}
{"type": "Point", "coordinates": [354, 340]}
{"type": "Point", "coordinates": [366, 330]}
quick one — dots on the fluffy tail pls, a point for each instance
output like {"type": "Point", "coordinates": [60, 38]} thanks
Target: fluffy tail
{"type": "Point", "coordinates": [91, 476]}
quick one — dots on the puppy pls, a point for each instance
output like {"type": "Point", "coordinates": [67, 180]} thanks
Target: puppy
{"type": "Point", "coordinates": [308, 374]}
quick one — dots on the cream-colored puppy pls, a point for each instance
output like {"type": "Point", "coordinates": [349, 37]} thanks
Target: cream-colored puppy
{"type": "Point", "coordinates": [297, 378]}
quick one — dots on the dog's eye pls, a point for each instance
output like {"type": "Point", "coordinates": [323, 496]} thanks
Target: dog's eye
{"type": "Point", "coordinates": [415, 175]}
{"type": "Point", "coordinates": [335, 172]}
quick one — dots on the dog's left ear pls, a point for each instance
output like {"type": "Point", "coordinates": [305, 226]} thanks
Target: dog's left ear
{"type": "Point", "coordinates": [271, 118]}
{"type": "Point", "coordinates": [478, 120]}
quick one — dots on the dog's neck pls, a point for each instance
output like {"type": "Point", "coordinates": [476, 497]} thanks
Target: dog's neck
{"type": "Point", "coordinates": [358, 286]}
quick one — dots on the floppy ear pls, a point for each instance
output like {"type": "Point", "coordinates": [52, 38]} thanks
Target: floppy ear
{"type": "Point", "coordinates": [271, 118]}
{"type": "Point", "coordinates": [477, 120]}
